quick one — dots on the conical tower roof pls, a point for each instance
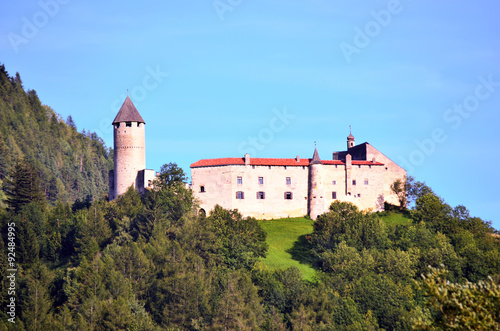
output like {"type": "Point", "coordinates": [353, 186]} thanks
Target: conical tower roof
{"type": "Point", "coordinates": [128, 113]}
{"type": "Point", "coordinates": [315, 159]}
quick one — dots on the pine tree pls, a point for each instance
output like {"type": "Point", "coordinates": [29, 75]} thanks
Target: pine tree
{"type": "Point", "coordinates": [23, 186]}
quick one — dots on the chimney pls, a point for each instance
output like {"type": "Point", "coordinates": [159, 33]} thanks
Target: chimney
{"type": "Point", "coordinates": [374, 160]}
{"type": "Point", "coordinates": [297, 158]}
{"type": "Point", "coordinates": [247, 159]}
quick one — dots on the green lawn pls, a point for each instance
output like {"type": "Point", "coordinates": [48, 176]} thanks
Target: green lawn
{"type": "Point", "coordinates": [392, 217]}
{"type": "Point", "coordinates": [288, 245]}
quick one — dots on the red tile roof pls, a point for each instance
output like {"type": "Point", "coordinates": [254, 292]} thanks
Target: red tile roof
{"type": "Point", "coordinates": [270, 162]}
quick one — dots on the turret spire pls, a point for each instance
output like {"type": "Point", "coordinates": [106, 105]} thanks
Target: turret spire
{"type": "Point", "coordinates": [350, 139]}
{"type": "Point", "coordinates": [315, 158]}
{"type": "Point", "coordinates": [128, 113]}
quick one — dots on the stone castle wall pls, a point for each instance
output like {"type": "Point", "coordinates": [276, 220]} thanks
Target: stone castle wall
{"type": "Point", "coordinates": [392, 171]}
{"type": "Point", "coordinates": [313, 188]}
{"type": "Point", "coordinates": [220, 184]}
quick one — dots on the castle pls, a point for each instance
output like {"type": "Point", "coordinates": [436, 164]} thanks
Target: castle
{"type": "Point", "coordinates": [264, 188]}
{"type": "Point", "coordinates": [267, 188]}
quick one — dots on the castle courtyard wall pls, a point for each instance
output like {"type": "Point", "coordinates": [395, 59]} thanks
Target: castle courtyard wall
{"type": "Point", "coordinates": [220, 185]}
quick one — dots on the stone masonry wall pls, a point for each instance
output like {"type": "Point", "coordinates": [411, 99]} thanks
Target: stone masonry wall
{"type": "Point", "coordinates": [129, 155]}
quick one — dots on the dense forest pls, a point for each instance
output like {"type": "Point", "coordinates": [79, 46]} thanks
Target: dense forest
{"type": "Point", "coordinates": [71, 165]}
{"type": "Point", "coordinates": [151, 262]}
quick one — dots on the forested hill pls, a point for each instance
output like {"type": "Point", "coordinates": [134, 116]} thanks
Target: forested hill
{"type": "Point", "coordinates": [72, 165]}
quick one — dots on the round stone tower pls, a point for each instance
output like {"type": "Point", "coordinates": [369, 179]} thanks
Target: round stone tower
{"type": "Point", "coordinates": [316, 188]}
{"type": "Point", "coordinates": [129, 148]}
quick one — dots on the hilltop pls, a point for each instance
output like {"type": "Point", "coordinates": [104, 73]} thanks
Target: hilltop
{"type": "Point", "coordinates": [72, 165]}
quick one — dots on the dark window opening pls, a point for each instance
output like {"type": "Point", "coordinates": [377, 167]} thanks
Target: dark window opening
{"type": "Point", "coordinates": [202, 189]}
{"type": "Point", "coordinates": [240, 195]}
{"type": "Point", "coordinates": [353, 182]}
{"type": "Point", "coordinates": [366, 181]}
{"type": "Point", "coordinates": [138, 124]}
{"type": "Point", "coordinates": [288, 195]}
{"type": "Point", "coordinates": [117, 125]}
{"type": "Point", "coordinates": [128, 124]}
{"type": "Point", "coordinates": [261, 195]}
{"type": "Point", "coordinates": [334, 195]}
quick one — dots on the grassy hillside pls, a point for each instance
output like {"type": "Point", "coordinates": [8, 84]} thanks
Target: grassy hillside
{"type": "Point", "coordinates": [393, 218]}
{"type": "Point", "coordinates": [288, 245]}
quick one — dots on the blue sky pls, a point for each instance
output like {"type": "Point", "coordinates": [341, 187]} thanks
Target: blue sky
{"type": "Point", "coordinates": [419, 80]}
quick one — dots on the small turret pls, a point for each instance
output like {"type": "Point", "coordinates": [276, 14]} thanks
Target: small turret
{"type": "Point", "coordinates": [316, 189]}
{"type": "Point", "coordinates": [350, 139]}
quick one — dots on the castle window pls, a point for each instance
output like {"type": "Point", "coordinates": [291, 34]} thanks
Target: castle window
{"type": "Point", "coordinates": [240, 195]}
{"type": "Point", "coordinates": [353, 182]}
{"type": "Point", "coordinates": [128, 124]}
{"type": "Point", "coordinates": [261, 195]}
{"type": "Point", "coordinates": [359, 195]}
{"type": "Point", "coordinates": [366, 181]}
{"type": "Point", "coordinates": [285, 167]}
{"type": "Point", "coordinates": [288, 195]}
{"type": "Point", "coordinates": [253, 167]}
{"type": "Point", "coordinates": [303, 167]}
{"type": "Point", "coordinates": [117, 125]}
{"type": "Point", "coordinates": [138, 124]}
{"type": "Point", "coordinates": [202, 189]}
{"type": "Point", "coordinates": [261, 180]}
{"type": "Point", "coordinates": [239, 180]}
{"type": "Point", "coordinates": [289, 181]}
{"type": "Point", "coordinates": [359, 165]}
{"type": "Point", "coordinates": [269, 167]}
{"type": "Point", "coordinates": [334, 195]}
{"type": "Point", "coordinates": [334, 182]}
